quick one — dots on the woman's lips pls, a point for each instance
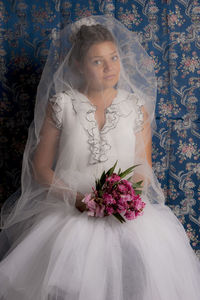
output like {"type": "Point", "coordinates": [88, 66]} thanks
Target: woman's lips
{"type": "Point", "coordinates": [109, 76]}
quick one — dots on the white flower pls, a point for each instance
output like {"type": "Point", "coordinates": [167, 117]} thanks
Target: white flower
{"type": "Point", "coordinates": [88, 21]}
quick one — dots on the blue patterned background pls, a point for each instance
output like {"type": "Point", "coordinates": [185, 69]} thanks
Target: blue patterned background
{"type": "Point", "coordinates": [170, 32]}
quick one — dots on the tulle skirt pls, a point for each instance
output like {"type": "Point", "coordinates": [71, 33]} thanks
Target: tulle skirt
{"type": "Point", "coordinates": [70, 256]}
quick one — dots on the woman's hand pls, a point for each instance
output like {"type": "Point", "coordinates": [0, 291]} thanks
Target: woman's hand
{"type": "Point", "coordinates": [79, 204]}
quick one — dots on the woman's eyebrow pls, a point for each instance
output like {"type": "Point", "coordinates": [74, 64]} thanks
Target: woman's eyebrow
{"type": "Point", "coordinates": [102, 56]}
{"type": "Point", "coordinates": [95, 56]}
{"type": "Point", "coordinates": [114, 52]}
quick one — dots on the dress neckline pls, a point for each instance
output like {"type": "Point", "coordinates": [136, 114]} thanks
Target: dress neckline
{"type": "Point", "coordinates": [85, 99]}
{"type": "Point", "coordinates": [98, 139]}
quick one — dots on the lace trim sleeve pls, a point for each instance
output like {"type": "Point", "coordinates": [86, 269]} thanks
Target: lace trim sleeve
{"type": "Point", "coordinates": [57, 105]}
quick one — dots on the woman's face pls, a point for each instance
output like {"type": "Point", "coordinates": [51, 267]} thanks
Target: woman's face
{"type": "Point", "coordinates": [101, 66]}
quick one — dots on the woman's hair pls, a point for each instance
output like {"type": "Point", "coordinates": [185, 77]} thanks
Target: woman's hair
{"type": "Point", "coordinates": [85, 38]}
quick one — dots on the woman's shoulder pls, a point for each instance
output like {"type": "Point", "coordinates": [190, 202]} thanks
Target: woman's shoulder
{"type": "Point", "coordinates": [63, 101]}
{"type": "Point", "coordinates": [63, 97]}
{"type": "Point", "coordinates": [132, 102]}
{"type": "Point", "coordinates": [132, 98]}
{"type": "Point", "coordinates": [62, 109]}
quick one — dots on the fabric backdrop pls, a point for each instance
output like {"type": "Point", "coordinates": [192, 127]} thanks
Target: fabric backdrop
{"type": "Point", "coordinates": [170, 32]}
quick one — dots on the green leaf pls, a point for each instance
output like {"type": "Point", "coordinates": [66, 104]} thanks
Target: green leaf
{"type": "Point", "coordinates": [138, 192]}
{"type": "Point", "coordinates": [103, 175]}
{"type": "Point", "coordinates": [100, 193]}
{"type": "Point", "coordinates": [102, 179]}
{"type": "Point", "coordinates": [98, 185]}
{"type": "Point", "coordinates": [127, 171]}
{"type": "Point", "coordinates": [137, 184]}
{"type": "Point", "coordinates": [119, 171]}
{"type": "Point", "coordinates": [111, 170]}
{"type": "Point", "coordinates": [137, 187]}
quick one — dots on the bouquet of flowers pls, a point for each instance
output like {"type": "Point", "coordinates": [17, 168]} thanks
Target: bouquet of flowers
{"type": "Point", "coordinates": [115, 196]}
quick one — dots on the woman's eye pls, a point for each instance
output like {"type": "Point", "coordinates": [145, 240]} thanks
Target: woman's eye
{"type": "Point", "coordinates": [97, 62]}
{"type": "Point", "coordinates": [115, 57]}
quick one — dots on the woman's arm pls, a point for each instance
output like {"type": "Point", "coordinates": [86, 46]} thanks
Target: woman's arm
{"type": "Point", "coordinates": [46, 150]}
{"type": "Point", "coordinates": [44, 158]}
{"type": "Point", "coordinates": [143, 150]}
{"type": "Point", "coordinates": [145, 137]}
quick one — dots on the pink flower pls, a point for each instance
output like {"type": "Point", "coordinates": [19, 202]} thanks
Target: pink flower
{"type": "Point", "coordinates": [100, 211]}
{"type": "Point", "coordinates": [138, 204]}
{"type": "Point", "coordinates": [123, 204]}
{"type": "Point", "coordinates": [121, 207]}
{"type": "Point", "coordinates": [94, 209]}
{"type": "Point", "coordinates": [113, 178]}
{"type": "Point", "coordinates": [108, 198]}
{"type": "Point", "coordinates": [115, 195]}
{"type": "Point", "coordinates": [126, 198]}
{"type": "Point", "coordinates": [109, 210]}
{"type": "Point", "coordinates": [92, 206]}
{"type": "Point", "coordinates": [87, 198]}
{"type": "Point", "coordinates": [122, 188]}
{"type": "Point", "coordinates": [139, 213]}
{"type": "Point", "coordinates": [126, 183]}
{"type": "Point", "coordinates": [130, 215]}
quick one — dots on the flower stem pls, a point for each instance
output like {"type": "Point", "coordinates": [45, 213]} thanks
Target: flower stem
{"type": "Point", "coordinates": [119, 217]}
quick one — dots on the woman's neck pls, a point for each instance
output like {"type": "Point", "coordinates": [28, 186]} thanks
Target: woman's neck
{"type": "Point", "coordinates": [100, 98]}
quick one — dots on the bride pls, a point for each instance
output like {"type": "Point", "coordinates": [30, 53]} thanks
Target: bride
{"type": "Point", "coordinates": [95, 106]}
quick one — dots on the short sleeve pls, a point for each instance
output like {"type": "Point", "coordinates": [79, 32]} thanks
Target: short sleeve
{"type": "Point", "coordinates": [57, 107]}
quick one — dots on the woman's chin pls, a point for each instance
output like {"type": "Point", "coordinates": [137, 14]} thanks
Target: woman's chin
{"type": "Point", "coordinates": [110, 84]}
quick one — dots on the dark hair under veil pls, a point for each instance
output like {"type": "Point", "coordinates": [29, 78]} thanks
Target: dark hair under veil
{"type": "Point", "coordinates": [85, 38]}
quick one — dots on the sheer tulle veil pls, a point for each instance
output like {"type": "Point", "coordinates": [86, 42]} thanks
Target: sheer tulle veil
{"type": "Point", "coordinates": [136, 76]}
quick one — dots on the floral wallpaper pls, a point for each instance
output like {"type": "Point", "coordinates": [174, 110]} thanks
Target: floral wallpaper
{"type": "Point", "coordinates": [170, 32]}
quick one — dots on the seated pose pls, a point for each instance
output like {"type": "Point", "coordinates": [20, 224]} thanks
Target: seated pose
{"type": "Point", "coordinates": [95, 106]}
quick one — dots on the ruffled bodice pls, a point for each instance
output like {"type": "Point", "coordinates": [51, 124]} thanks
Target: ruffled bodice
{"type": "Point", "coordinates": [123, 118]}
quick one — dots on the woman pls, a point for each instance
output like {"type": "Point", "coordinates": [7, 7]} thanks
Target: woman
{"type": "Point", "coordinates": [97, 108]}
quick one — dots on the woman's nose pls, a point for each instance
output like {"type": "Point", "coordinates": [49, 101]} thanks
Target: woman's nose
{"type": "Point", "coordinates": [107, 66]}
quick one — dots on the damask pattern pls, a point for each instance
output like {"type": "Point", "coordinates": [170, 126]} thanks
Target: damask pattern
{"type": "Point", "coordinates": [169, 31]}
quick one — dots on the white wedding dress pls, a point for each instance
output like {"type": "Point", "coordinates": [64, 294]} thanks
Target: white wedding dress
{"type": "Point", "coordinates": [67, 255]}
